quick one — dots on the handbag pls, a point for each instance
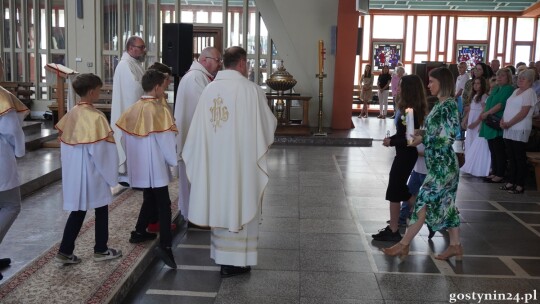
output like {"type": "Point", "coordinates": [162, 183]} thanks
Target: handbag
{"type": "Point", "coordinates": [493, 121]}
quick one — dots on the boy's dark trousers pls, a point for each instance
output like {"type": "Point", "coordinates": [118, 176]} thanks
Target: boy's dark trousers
{"type": "Point", "coordinates": [73, 227]}
{"type": "Point", "coordinates": [156, 198]}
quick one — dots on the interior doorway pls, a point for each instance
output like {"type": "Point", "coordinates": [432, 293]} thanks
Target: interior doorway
{"type": "Point", "coordinates": [206, 36]}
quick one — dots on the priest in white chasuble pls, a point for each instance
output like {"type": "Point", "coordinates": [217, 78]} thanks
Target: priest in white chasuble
{"type": "Point", "coordinates": [127, 90]}
{"type": "Point", "coordinates": [225, 155]}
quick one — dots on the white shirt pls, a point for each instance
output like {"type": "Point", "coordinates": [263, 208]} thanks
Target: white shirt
{"type": "Point", "coordinates": [149, 158]}
{"type": "Point", "coordinates": [225, 152]}
{"type": "Point", "coordinates": [88, 173]}
{"type": "Point", "coordinates": [187, 97]}
{"type": "Point", "coordinates": [127, 90]}
{"type": "Point", "coordinates": [11, 146]}
{"type": "Point", "coordinates": [521, 130]}
{"type": "Point", "coordinates": [461, 81]}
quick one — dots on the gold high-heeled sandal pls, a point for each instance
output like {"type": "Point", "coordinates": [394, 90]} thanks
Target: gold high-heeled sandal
{"type": "Point", "coordinates": [398, 249]}
{"type": "Point", "coordinates": [452, 250]}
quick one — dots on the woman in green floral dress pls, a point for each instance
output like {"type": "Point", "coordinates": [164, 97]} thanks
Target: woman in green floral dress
{"type": "Point", "coordinates": [435, 204]}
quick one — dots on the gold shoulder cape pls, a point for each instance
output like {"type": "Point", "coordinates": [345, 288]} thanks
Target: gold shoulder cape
{"type": "Point", "coordinates": [84, 124]}
{"type": "Point", "coordinates": [148, 115]}
{"type": "Point", "coordinates": [8, 102]}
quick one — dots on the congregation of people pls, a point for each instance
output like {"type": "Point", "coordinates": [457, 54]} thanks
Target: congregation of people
{"type": "Point", "coordinates": [493, 111]}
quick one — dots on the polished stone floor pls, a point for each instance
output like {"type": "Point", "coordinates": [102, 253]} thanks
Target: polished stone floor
{"type": "Point", "coordinates": [320, 208]}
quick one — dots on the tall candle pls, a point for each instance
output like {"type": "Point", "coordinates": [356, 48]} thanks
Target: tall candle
{"type": "Point", "coordinates": [321, 57]}
{"type": "Point", "coordinates": [409, 121]}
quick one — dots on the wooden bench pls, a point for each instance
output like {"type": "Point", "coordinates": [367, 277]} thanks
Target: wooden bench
{"type": "Point", "coordinates": [23, 90]}
{"type": "Point", "coordinates": [534, 159]}
{"type": "Point", "coordinates": [104, 103]}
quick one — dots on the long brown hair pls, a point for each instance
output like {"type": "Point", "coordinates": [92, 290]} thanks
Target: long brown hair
{"type": "Point", "coordinates": [413, 95]}
{"type": "Point", "coordinates": [366, 74]}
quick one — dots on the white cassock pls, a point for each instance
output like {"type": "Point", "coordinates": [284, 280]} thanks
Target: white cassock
{"type": "Point", "coordinates": [127, 89]}
{"type": "Point", "coordinates": [89, 158]}
{"type": "Point", "coordinates": [148, 135]}
{"type": "Point", "coordinates": [12, 145]}
{"type": "Point", "coordinates": [187, 97]}
{"type": "Point", "coordinates": [12, 113]}
{"type": "Point", "coordinates": [225, 156]}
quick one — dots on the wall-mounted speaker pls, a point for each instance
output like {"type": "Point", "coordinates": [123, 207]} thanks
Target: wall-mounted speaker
{"type": "Point", "coordinates": [362, 6]}
{"type": "Point", "coordinates": [359, 42]}
{"type": "Point", "coordinates": [177, 47]}
{"type": "Point", "coordinates": [80, 11]}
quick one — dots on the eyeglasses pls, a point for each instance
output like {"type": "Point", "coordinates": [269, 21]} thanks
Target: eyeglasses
{"type": "Point", "coordinates": [216, 59]}
{"type": "Point", "coordinates": [140, 47]}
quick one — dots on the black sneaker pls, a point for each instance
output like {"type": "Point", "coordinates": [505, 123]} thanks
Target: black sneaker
{"type": "Point", "coordinates": [5, 262]}
{"type": "Point", "coordinates": [230, 271]}
{"type": "Point", "coordinates": [166, 255]}
{"type": "Point", "coordinates": [386, 234]}
{"type": "Point", "coordinates": [137, 237]}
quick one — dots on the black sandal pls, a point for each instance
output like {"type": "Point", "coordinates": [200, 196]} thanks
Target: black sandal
{"type": "Point", "coordinates": [506, 187]}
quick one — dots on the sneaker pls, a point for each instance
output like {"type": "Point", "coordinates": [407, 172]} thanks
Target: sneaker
{"type": "Point", "coordinates": [109, 254]}
{"type": "Point", "coordinates": [5, 262]}
{"type": "Point", "coordinates": [67, 259]}
{"type": "Point", "coordinates": [154, 228]}
{"type": "Point", "coordinates": [137, 237]}
{"type": "Point", "coordinates": [386, 234]}
{"type": "Point", "coordinates": [166, 255]}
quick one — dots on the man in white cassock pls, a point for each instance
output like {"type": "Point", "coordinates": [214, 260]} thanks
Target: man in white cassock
{"type": "Point", "coordinates": [200, 74]}
{"type": "Point", "coordinates": [12, 113]}
{"type": "Point", "coordinates": [225, 156]}
{"type": "Point", "coordinates": [127, 90]}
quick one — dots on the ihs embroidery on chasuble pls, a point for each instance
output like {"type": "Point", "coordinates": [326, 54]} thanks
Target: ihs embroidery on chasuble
{"type": "Point", "coordinates": [220, 114]}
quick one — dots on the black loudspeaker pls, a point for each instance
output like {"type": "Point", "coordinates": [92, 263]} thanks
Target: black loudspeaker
{"type": "Point", "coordinates": [359, 42]}
{"type": "Point", "coordinates": [177, 52]}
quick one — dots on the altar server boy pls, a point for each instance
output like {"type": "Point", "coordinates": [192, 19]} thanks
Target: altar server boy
{"type": "Point", "coordinates": [12, 113]}
{"type": "Point", "coordinates": [148, 137]}
{"type": "Point", "coordinates": [89, 170]}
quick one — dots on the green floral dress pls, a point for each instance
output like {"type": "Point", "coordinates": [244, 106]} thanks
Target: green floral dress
{"type": "Point", "coordinates": [438, 192]}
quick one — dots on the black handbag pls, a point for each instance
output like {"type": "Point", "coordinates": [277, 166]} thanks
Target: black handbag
{"type": "Point", "coordinates": [493, 121]}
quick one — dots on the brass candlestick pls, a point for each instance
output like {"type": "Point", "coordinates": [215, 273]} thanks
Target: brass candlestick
{"type": "Point", "coordinates": [321, 76]}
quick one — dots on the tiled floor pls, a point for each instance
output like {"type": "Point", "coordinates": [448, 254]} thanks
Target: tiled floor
{"type": "Point", "coordinates": [320, 208]}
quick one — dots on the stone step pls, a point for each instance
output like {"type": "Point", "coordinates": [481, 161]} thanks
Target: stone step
{"type": "Point", "coordinates": [38, 169]}
{"type": "Point", "coordinates": [31, 127]}
{"type": "Point", "coordinates": [35, 141]}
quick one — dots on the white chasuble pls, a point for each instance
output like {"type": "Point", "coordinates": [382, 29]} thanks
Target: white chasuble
{"type": "Point", "coordinates": [225, 152]}
{"type": "Point", "coordinates": [127, 89]}
{"type": "Point", "coordinates": [189, 90]}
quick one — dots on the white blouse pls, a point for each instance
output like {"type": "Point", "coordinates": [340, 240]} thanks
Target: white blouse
{"type": "Point", "coordinates": [11, 146]}
{"type": "Point", "coordinates": [521, 130]}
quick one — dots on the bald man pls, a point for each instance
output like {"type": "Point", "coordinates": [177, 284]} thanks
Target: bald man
{"type": "Point", "coordinates": [200, 74]}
